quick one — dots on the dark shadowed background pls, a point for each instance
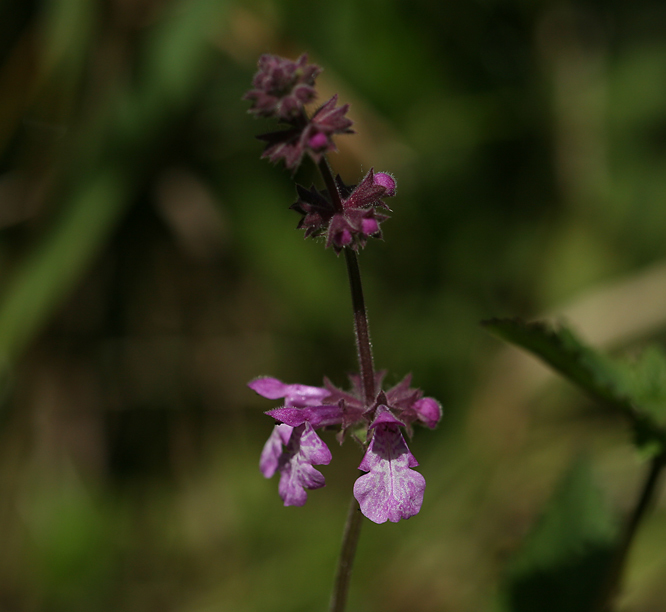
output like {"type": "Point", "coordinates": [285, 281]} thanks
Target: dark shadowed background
{"type": "Point", "coordinates": [150, 267]}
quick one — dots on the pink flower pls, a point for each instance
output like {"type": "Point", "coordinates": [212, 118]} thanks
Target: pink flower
{"type": "Point", "coordinates": [391, 489]}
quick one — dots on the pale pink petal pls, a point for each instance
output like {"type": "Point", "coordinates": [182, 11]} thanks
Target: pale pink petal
{"type": "Point", "coordinates": [270, 455]}
{"type": "Point", "coordinates": [390, 490]}
{"type": "Point", "coordinates": [304, 450]}
{"type": "Point", "coordinates": [295, 395]}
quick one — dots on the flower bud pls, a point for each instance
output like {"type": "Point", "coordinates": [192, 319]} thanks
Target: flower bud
{"type": "Point", "coordinates": [387, 181]}
{"type": "Point", "coordinates": [318, 141]}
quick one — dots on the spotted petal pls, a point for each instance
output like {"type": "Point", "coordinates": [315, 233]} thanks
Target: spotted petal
{"type": "Point", "coordinates": [390, 490]}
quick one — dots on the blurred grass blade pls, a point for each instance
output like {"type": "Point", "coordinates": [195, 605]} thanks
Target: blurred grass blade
{"type": "Point", "coordinates": [97, 182]}
{"type": "Point", "coordinates": [54, 265]}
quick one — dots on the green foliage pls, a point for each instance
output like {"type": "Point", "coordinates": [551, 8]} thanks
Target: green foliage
{"type": "Point", "coordinates": [563, 563]}
{"type": "Point", "coordinates": [636, 387]}
{"type": "Point", "coordinates": [645, 381]}
{"type": "Point", "coordinates": [562, 350]}
{"type": "Point", "coordinates": [72, 539]}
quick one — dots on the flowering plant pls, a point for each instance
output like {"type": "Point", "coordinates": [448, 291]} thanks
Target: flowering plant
{"type": "Point", "coordinates": [346, 216]}
{"type": "Point", "coordinates": [390, 490]}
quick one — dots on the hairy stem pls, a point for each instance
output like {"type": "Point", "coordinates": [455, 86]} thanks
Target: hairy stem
{"type": "Point", "coordinates": [367, 371]}
{"type": "Point", "coordinates": [361, 328]}
{"type": "Point", "coordinates": [346, 560]}
{"type": "Point", "coordinates": [616, 570]}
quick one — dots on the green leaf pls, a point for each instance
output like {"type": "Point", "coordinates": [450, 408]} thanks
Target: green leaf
{"type": "Point", "coordinates": [564, 561]}
{"type": "Point", "coordinates": [636, 387]}
{"type": "Point", "coordinates": [559, 348]}
{"type": "Point", "coordinates": [645, 380]}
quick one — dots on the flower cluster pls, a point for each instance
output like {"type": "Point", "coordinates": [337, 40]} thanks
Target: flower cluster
{"type": "Point", "coordinates": [390, 489]}
{"type": "Point", "coordinates": [357, 218]}
{"type": "Point", "coordinates": [281, 89]}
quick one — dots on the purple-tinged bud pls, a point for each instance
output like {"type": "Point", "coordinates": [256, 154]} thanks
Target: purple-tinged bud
{"type": "Point", "coordinates": [429, 411]}
{"type": "Point", "coordinates": [369, 226]}
{"type": "Point", "coordinates": [343, 238]}
{"type": "Point", "coordinates": [315, 138]}
{"type": "Point", "coordinates": [359, 218]}
{"type": "Point", "coordinates": [387, 181]}
{"type": "Point", "coordinates": [318, 141]}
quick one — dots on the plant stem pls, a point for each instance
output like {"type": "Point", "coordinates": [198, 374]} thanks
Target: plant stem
{"type": "Point", "coordinates": [616, 569]}
{"type": "Point", "coordinates": [361, 328]}
{"type": "Point", "coordinates": [346, 560]}
{"type": "Point", "coordinates": [367, 371]}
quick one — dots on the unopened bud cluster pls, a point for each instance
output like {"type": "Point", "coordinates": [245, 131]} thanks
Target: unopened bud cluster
{"type": "Point", "coordinates": [281, 89]}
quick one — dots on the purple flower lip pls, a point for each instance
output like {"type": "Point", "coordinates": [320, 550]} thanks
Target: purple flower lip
{"type": "Point", "coordinates": [272, 451]}
{"type": "Point", "coordinates": [317, 416]}
{"type": "Point", "coordinates": [295, 395]}
{"type": "Point", "coordinates": [391, 490]}
{"type": "Point", "coordinates": [303, 450]}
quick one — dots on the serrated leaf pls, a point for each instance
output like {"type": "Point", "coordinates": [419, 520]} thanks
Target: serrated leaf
{"type": "Point", "coordinates": [564, 561]}
{"type": "Point", "coordinates": [637, 388]}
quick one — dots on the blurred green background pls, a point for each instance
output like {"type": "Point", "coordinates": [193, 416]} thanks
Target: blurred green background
{"type": "Point", "coordinates": [149, 268]}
